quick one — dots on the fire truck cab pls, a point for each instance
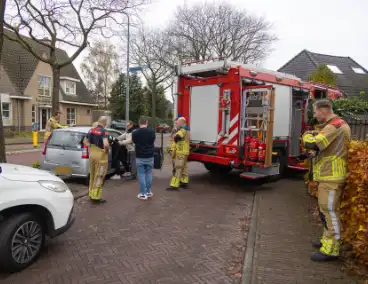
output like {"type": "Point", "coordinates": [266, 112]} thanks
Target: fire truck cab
{"type": "Point", "coordinates": [242, 116]}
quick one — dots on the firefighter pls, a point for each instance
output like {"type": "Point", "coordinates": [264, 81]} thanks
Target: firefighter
{"type": "Point", "coordinates": [182, 145]}
{"type": "Point", "coordinates": [52, 124]}
{"type": "Point", "coordinates": [330, 172]}
{"type": "Point", "coordinates": [172, 144]}
{"type": "Point", "coordinates": [98, 159]}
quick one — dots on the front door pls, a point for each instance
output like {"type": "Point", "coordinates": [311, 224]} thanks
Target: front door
{"type": "Point", "coordinates": [45, 114]}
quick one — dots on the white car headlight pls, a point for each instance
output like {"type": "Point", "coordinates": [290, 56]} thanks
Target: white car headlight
{"type": "Point", "coordinates": [54, 185]}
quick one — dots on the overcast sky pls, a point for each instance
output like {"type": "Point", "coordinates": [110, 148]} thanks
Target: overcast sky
{"type": "Point", "coordinates": [332, 27]}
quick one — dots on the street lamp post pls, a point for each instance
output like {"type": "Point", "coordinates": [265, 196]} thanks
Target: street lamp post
{"type": "Point", "coordinates": [127, 73]}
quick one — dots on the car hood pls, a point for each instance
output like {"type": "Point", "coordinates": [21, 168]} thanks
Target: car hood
{"type": "Point", "coordinates": [24, 173]}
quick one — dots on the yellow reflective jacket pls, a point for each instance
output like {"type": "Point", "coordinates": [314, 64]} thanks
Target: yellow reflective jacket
{"type": "Point", "coordinates": [51, 125]}
{"type": "Point", "coordinates": [332, 143]}
{"type": "Point", "coordinates": [182, 147]}
{"type": "Point", "coordinates": [172, 142]}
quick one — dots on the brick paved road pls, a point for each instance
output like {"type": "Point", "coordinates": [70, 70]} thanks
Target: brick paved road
{"type": "Point", "coordinates": [193, 236]}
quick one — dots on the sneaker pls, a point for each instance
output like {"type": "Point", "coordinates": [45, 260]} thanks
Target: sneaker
{"type": "Point", "coordinates": [116, 177]}
{"type": "Point", "coordinates": [149, 194]}
{"type": "Point", "coordinates": [142, 196]}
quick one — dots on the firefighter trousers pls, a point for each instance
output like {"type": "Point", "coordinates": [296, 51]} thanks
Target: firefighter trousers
{"type": "Point", "coordinates": [180, 173]}
{"type": "Point", "coordinates": [173, 161]}
{"type": "Point", "coordinates": [329, 210]}
{"type": "Point", "coordinates": [98, 163]}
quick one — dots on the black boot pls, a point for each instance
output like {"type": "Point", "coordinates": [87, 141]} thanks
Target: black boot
{"type": "Point", "coordinates": [320, 257]}
{"type": "Point", "coordinates": [99, 201]}
{"type": "Point", "coordinates": [183, 185]}
{"type": "Point", "coordinates": [171, 188]}
{"type": "Point", "coordinates": [317, 245]}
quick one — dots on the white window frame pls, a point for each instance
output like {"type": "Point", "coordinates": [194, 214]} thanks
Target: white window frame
{"type": "Point", "coordinates": [69, 120]}
{"type": "Point", "coordinates": [74, 91]}
{"type": "Point", "coordinates": [358, 70]}
{"type": "Point", "coordinates": [334, 69]}
{"type": "Point", "coordinates": [5, 99]}
{"type": "Point", "coordinates": [44, 93]}
{"type": "Point", "coordinates": [34, 114]}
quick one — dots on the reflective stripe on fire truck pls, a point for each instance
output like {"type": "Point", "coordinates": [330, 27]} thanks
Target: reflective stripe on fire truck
{"type": "Point", "coordinates": [233, 137]}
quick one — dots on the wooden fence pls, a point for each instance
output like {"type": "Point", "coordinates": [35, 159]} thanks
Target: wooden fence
{"type": "Point", "coordinates": [359, 127]}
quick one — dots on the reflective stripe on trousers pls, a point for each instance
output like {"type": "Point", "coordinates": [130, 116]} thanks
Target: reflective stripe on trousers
{"type": "Point", "coordinates": [329, 206]}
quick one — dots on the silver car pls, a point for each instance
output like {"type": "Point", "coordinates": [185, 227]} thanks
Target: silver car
{"type": "Point", "coordinates": [65, 155]}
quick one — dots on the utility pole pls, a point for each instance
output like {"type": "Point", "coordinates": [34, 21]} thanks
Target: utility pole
{"type": "Point", "coordinates": [127, 73]}
{"type": "Point", "coordinates": [2, 136]}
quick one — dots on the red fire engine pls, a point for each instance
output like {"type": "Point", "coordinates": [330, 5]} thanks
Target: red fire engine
{"type": "Point", "coordinates": [242, 116]}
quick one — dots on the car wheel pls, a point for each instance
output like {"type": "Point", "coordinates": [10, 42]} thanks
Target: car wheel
{"type": "Point", "coordinates": [113, 126]}
{"type": "Point", "coordinates": [22, 238]}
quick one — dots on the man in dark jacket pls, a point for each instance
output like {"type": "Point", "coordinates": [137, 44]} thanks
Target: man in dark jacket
{"type": "Point", "coordinates": [144, 140]}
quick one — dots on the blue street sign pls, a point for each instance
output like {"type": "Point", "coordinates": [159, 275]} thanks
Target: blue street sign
{"type": "Point", "coordinates": [136, 69]}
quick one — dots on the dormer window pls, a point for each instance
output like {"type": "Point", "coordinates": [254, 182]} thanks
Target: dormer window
{"type": "Point", "coordinates": [70, 87]}
{"type": "Point", "coordinates": [358, 70]}
{"type": "Point", "coordinates": [334, 69]}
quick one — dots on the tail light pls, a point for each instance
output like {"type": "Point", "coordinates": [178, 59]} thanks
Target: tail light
{"type": "Point", "coordinates": [45, 145]}
{"type": "Point", "coordinates": [85, 153]}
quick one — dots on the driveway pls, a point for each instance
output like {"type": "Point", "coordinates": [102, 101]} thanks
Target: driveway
{"type": "Point", "coordinates": [196, 235]}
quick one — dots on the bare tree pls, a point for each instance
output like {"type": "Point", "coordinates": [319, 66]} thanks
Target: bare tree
{"type": "Point", "coordinates": [66, 23]}
{"type": "Point", "coordinates": [101, 69]}
{"type": "Point", "coordinates": [220, 31]}
{"type": "Point", "coordinates": [2, 136]}
{"type": "Point", "coordinates": [150, 50]}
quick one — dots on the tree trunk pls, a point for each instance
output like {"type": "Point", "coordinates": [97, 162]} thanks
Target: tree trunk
{"type": "Point", "coordinates": [154, 104]}
{"type": "Point", "coordinates": [2, 136]}
{"type": "Point", "coordinates": [55, 88]}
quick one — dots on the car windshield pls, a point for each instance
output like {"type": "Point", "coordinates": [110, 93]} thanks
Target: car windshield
{"type": "Point", "coordinates": [67, 139]}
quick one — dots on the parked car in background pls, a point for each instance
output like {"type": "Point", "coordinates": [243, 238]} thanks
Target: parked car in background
{"type": "Point", "coordinates": [118, 124]}
{"type": "Point", "coordinates": [163, 127]}
{"type": "Point", "coordinates": [65, 154]}
{"type": "Point", "coordinates": [33, 204]}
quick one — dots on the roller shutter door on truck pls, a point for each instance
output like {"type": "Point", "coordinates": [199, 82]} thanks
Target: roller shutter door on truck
{"type": "Point", "coordinates": [204, 113]}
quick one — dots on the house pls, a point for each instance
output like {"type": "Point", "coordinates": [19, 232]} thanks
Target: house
{"type": "Point", "coordinates": [351, 77]}
{"type": "Point", "coordinates": [26, 88]}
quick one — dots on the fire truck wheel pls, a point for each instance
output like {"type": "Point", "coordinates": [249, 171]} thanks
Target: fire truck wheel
{"type": "Point", "coordinates": [217, 169]}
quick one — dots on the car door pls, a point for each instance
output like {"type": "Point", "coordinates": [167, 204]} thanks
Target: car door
{"type": "Point", "coordinates": [115, 134]}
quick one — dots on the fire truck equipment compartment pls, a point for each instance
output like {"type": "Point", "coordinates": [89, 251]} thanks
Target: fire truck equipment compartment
{"type": "Point", "coordinates": [204, 113]}
{"type": "Point", "coordinates": [282, 116]}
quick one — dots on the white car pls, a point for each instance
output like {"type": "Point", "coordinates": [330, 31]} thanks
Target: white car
{"type": "Point", "coordinates": [33, 204]}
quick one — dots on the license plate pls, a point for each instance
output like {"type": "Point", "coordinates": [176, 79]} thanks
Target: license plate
{"type": "Point", "coordinates": [63, 171]}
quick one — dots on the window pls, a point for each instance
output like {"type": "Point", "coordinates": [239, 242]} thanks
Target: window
{"type": "Point", "coordinates": [358, 70]}
{"type": "Point", "coordinates": [44, 86]}
{"type": "Point", "coordinates": [334, 69]}
{"type": "Point", "coordinates": [71, 116]}
{"type": "Point", "coordinates": [34, 115]}
{"type": "Point", "coordinates": [5, 107]}
{"type": "Point", "coordinates": [70, 87]}
{"type": "Point", "coordinates": [88, 112]}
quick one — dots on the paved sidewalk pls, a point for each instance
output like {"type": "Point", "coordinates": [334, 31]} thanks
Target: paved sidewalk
{"type": "Point", "coordinates": [285, 229]}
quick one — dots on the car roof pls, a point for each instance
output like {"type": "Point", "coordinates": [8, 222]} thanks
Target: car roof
{"type": "Point", "coordinates": [83, 129]}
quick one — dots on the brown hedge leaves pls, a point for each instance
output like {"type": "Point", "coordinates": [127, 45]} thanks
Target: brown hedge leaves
{"type": "Point", "coordinates": [354, 203]}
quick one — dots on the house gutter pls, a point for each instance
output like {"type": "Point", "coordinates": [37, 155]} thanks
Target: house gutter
{"type": "Point", "coordinates": [76, 103]}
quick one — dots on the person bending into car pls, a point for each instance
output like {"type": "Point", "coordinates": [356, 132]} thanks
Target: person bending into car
{"type": "Point", "coordinates": [52, 124]}
{"type": "Point", "coordinates": [127, 153]}
{"type": "Point", "coordinates": [98, 159]}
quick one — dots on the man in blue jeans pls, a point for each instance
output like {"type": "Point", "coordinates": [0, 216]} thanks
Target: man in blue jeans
{"type": "Point", "coordinates": [144, 140]}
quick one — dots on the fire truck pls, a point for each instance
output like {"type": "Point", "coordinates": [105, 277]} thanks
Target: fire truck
{"type": "Point", "coordinates": [242, 116]}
